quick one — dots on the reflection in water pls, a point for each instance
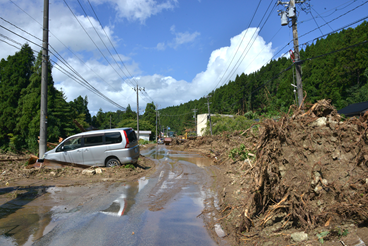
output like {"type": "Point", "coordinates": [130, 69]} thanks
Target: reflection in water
{"type": "Point", "coordinates": [163, 153]}
{"type": "Point", "coordinates": [117, 208]}
{"type": "Point", "coordinates": [18, 220]}
{"type": "Point", "coordinates": [24, 226]}
{"type": "Point", "coordinates": [121, 205]}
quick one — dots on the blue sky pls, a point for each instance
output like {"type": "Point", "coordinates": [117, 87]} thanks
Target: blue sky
{"type": "Point", "coordinates": [178, 50]}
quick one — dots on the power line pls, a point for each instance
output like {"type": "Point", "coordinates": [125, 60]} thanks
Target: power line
{"type": "Point", "coordinates": [316, 23]}
{"type": "Point", "coordinates": [38, 45]}
{"type": "Point", "coordinates": [20, 29]}
{"type": "Point", "coordinates": [334, 19]}
{"type": "Point", "coordinates": [101, 38]}
{"type": "Point", "coordinates": [321, 18]}
{"type": "Point", "coordinates": [239, 44]}
{"type": "Point", "coordinates": [117, 52]}
{"type": "Point", "coordinates": [309, 59]}
{"type": "Point", "coordinates": [335, 10]}
{"type": "Point", "coordinates": [336, 30]}
{"type": "Point", "coordinates": [92, 39]}
{"type": "Point", "coordinates": [64, 46]}
{"type": "Point", "coordinates": [242, 57]}
{"type": "Point", "coordinates": [109, 38]}
{"type": "Point", "coordinates": [81, 81]}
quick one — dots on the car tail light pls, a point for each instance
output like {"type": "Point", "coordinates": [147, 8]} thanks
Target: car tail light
{"type": "Point", "coordinates": [127, 140]}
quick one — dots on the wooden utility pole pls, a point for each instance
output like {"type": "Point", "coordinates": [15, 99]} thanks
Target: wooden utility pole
{"type": "Point", "coordinates": [137, 90]}
{"type": "Point", "coordinates": [209, 112]}
{"type": "Point", "coordinates": [195, 119]}
{"type": "Point", "coordinates": [156, 122]}
{"type": "Point", "coordinates": [291, 13]}
{"type": "Point", "coordinates": [297, 57]}
{"type": "Point", "coordinates": [44, 75]}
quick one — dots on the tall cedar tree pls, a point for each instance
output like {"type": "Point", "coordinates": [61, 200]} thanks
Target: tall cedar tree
{"type": "Point", "coordinates": [15, 73]}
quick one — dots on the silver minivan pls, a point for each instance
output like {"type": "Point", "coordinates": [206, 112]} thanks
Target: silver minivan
{"type": "Point", "coordinates": [111, 147]}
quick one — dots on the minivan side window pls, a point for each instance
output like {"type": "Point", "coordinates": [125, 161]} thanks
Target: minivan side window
{"type": "Point", "coordinates": [70, 144]}
{"type": "Point", "coordinates": [113, 137]}
{"type": "Point", "coordinates": [93, 140]}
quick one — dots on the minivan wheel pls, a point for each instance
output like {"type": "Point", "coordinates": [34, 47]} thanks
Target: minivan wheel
{"type": "Point", "coordinates": [112, 162]}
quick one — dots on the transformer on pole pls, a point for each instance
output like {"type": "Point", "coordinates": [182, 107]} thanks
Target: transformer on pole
{"type": "Point", "coordinates": [285, 15]}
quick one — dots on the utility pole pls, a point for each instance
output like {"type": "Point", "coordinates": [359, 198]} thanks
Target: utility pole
{"type": "Point", "coordinates": [156, 122]}
{"type": "Point", "coordinates": [209, 112]}
{"type": "Point", "coordinates": [195, 119]}
{"type": "Point", "coordinates": [159, 123]}
{"type": "Point", "coordinates": [44, 75]}
{"type": "Point", "coordinates": [291, 13]}
{"type": "Point", "coordinates": [138, 89]}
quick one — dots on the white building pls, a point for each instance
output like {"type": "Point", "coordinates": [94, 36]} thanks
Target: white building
{"type": "Point", "coordinates": [202, 122]}
{"type": "Point", "coordinates": [144, 135]}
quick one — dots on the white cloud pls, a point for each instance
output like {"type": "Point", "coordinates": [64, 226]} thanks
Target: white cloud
{"type": "Point", "coordinates": [168, 91]}
{"type": "Point", "coordinates": [103, 78]}
{"type": "Point", "coordinates": [138, 10]}
{"type": "Point", "coordinates": [62, 24]}
{"type": "Point", "coordinates": [161, 46]}
{"type": "Point", "coordinates": [185, 37]}
{"type": "Point", "coordinates": [180, 39]}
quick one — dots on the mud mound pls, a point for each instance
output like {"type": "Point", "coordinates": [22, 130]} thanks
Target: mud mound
{"type": "Point", "coordinates": [14, 169]}
{"type": "Point", "coordinates": [218, 147]}
{"type": "Point", "coordinates": [310, 170]}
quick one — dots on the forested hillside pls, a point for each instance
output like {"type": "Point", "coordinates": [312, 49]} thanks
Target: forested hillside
{"type": "Point", "coordinates": [333, 68]}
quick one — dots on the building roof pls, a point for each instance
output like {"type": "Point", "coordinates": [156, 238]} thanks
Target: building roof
{"type": "Point", "coordinates": [354, 109]}
{"type": "Point", "coordinates": [144, 132]}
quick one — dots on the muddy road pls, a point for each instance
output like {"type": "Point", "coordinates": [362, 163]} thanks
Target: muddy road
{"type": "Point", "coordinates": [172, 206]}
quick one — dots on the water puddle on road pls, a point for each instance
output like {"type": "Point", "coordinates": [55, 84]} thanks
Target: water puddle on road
{"type": "Point", "coordinates": [161, 152]}
{"type": "Point", "coordinates": [36, 211]}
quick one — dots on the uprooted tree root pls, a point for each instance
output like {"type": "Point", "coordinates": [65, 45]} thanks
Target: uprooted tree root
{"type": "Point", "coordinates": [310, 170]}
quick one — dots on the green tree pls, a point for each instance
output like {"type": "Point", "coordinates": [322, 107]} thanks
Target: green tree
{"type": "Point", "coordinates": [150, 117]}
{"type": "Point", "coordinates": [15, 73]}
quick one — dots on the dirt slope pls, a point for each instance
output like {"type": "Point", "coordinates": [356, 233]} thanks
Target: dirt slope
{"type": "Point", "coordinates": [309, 174]}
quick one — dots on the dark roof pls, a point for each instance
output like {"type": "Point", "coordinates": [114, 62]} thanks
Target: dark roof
{"type": "Point", "coordinates": [354, 109]}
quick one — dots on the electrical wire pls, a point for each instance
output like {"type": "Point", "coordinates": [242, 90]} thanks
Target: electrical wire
{"type": "Point", "coordinates": [239, 44]}
{"type": "Point", "coordinates": [316, 23]}
{"type": "Point", "coordinates": [322, 18]}
{"type": "Point", "coordinates": [92, 39]}
{"type": "Point", "coordinates": [49, 45]}
{"type": "Point", "coordinates": [81, 81]}
{"type": "Point", "coordinates": [334, 19]}
{"type": "Point", "coordinates": [20, 29]}
{"type": "Point", "coordinates": [244, 55]}
{"type": "Point", "coordinates": [109, 39]}
{"type": "Point", "coordinates": [101, 39]}
{"type": "Point", "coordinates": [309, 59]}
{"type": "Point", "coordinates": [143, 93]}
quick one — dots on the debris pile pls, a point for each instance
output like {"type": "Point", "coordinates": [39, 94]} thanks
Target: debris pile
{"type": "Point", "coordinates": [310, 170]}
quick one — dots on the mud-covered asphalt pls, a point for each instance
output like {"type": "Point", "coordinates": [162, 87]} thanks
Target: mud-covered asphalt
{"type": "Point", "coordinates": [171, 207]}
